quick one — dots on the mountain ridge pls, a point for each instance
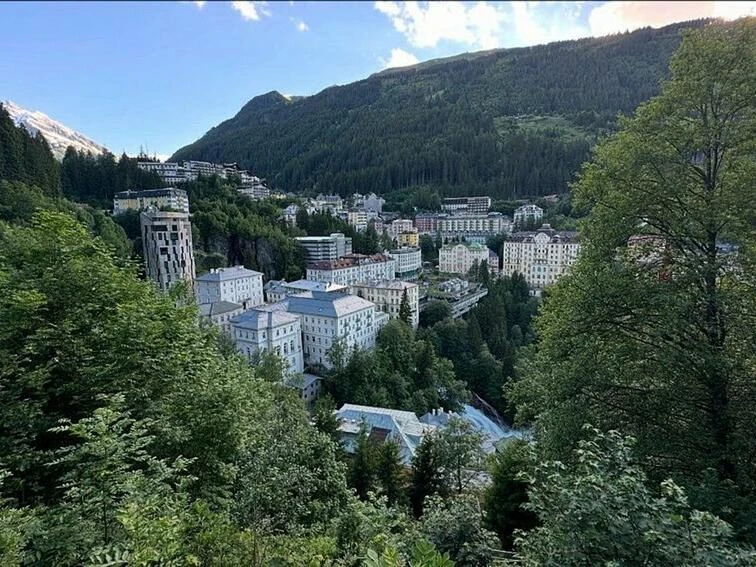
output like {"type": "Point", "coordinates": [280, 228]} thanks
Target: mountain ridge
{"type": "Point", "coordinates": [505, 122]}
{"type": "Point", "coordinates": [58, 135]}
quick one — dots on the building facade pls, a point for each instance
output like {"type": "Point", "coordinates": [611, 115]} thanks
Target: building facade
{"type": "Point", "coordinates": [409, 238]}
{"type": "Point", "coordinates": [221, 313]}
{"type": "Point", "coordinates": [257, 331]}
{"type": "Point", "coordinates": [236, 284]}
{"type": "Point", "coordinates": [327, 317]}
{"type": "Point", "coordinates": [352, 268]}
{"type": "Point", "coordinates": [459, 258]}
{"type": "Point", "coordinates": [278, 290]}
{"type": "Point", "coordinates": [409, 262]}
{"type": "Point", "coordinates": [387, 296]}
{"type": "Point", "coordinates": [167, 246]}
{"type": "Point", "coordinates": [466, 205]}
{"type": "Point", "coordinates": [322, 248]}
{"type": "Point", "coordinates": [483, 224]}
{"type": "Point", "coordinates": [397, 226]}
{"type": "Point", "coordinates": [528, 215]}
{"type": "Point", "coordinates": [163, 199]}
{"type": "Point", "coordinates": [541, 256]}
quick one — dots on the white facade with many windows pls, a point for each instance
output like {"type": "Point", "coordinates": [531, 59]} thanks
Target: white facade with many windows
{"type": "Point", "coordinates": [352, 268]}
{"type": "Point", "coordinates": [409, 261]}
{"type": "Point", "coordinates": [387, 296]}
{"type": "Point", "coordinates": [327, 317]}
{"type": "Point", "coordinates": [541, 256]}
{"type": "Point", "coordinates": [488, 224]}
{"type": "Point", "coordinates": [527, 215]}
{"type": "Point", "coordinates": [257, 331]}
{"type": "Point", "coordinates": [459, 258]}
{"type": "Point", "coordinates": [236, 284]}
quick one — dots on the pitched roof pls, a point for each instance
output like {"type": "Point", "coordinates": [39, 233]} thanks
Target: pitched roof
{"type": "Point", "coordinates": [218, 308]}
{"type": "Point", "coordinates": [327, 304]}
{"type": "Point", "coordinates": [257, 320]}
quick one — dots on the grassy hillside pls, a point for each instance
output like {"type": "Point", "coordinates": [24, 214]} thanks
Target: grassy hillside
{"type": "Point", "coordinates": [506, 122]}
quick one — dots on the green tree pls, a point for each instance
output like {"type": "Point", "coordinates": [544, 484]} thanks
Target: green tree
{"type": "Point", "coordinates": [427, 476]}
{"type": "Point", "coordinates": [652, 332]}
{"type": "Point", "coordinates": [460, 446]}
{"type": "Point", "coordinates": [389, 472]}
{"type": "Point", "coordinates": [434, 312]}
{"type": "Point", "coordinates": [602, 512]}
{"type": "Point", "coordinates": [507, 495]}
{"type": "Point", "coordinates": [405, 311]}
{"type": "Point", "coordinates": [362, 466]}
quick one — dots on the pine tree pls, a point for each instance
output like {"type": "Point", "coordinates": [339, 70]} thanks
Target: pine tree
{"type": "Point", "coordinates": [427, 474]}
{"type": "Point", "coordinates": [405, 312]}
{"type": "Point", "coordinates": [362, 470]}
{"type": "Point", "coordinates": [389, 472]}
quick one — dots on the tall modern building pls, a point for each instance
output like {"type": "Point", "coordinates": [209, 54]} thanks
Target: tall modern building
{"type": "Point", "coordinates": [320, 248]}
{"type": "Point", "coordinates": [167, 244]}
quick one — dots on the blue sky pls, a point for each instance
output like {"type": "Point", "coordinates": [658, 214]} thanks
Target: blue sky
{"type": "Point", "coordinates": [160, 74]}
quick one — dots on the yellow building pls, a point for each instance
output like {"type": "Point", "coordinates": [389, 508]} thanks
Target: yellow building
{"type": "Point", "coordinates": [408, 239]}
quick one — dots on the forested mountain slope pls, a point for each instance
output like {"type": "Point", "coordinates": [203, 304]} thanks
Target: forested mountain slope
{"type": "Point", "coordinates": [507, 122]}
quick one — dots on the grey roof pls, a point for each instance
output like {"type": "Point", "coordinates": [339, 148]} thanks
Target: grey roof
{"type": "Point", "coordinates": [311, 285]}
{"type": "Point", "coordinates": [218, 308]}
{"type": "Point", "coordinates": [226, 274]}
{"type": "Point", "coordinates": [327, 304]}
{"type": "Point", "coordinates": [554, 235]}
{"type": "Point", "coordinates": [386, 284]}
{"type": "Point", "coordinates": [258, 320]}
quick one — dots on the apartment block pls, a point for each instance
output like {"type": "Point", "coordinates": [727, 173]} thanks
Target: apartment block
{"type": "Point", "coordinates": [322, 248]}
{"type": "Point", "coordinates": [236, 284]}
{"type": "Point", "coordinates": [352, 268]}
{"type": "Point", "coordinates": [167, 245]}
{"type": "Point", "coordinates": [542, 256]}
{"type": "Point", "coordinates": [387, 296]}
{"type": "Point", "coordinates": [163, 199]}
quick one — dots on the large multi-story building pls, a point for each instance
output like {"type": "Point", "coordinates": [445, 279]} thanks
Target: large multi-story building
{"type": "Point", "coordinates": [426, 223]}
{"type": "Point", "coordinates": [528, 215]}
{"type": "Point", "coordinates": [409, 262]}
{"type": "Point", "coordinates": [236, 284]}
{"type": "Point", "coordinates": [387, 296]}
{"type": "Point", "coordinates": [466, 205]}
{"type": "Point", "coordinates": [542, 256]}
{"type": "Point", "coordinates": [358, 219]}
{"type": "Point", "coordinates": [482, 224]}
{"type": "Point", "coordinates": [459, 258]}
{"type": "Point", "coordinates": [190, 170]}
{"type": "Point", "coordinates": [322, 248]}
{"type": "Point", "coordinates": [327, 317]}
{"type": "Point", "coordinates": [167, 245]}
{"type": "Point", "coordinates": [256, 331]}
{"type": "Point", "coordinates": [170, 172]}
{"type": "Point", "coordinates": [398, 226]}
{"type": "Point", "coordinates": [164, 199]}
{"type": "Point", "coordinates": [352, 268]}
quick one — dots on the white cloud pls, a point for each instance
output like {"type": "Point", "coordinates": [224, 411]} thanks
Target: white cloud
{"type": "Point", "coordinates": [616, 17]}
{"type": "Point", "coordinates": [399, 58]}
{"type": "Point", "coordinates": [303, 27]}
{"type": "Point", "coordinates": [251, 11]}
{"type": "Point", "coordinates": [542, 22]}
{"type": "Point", "coordinates": [425, 24]}
{"type": "Point", "coordinates": [199, 3]}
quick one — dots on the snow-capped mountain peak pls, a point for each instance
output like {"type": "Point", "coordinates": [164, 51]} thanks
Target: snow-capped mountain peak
{"type": "Point", "coordinates": [58, 135]}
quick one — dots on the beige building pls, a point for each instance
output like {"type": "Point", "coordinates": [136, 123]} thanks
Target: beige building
{"type": "Point", "coordinates": [163, 199]}
{"type": "Point", "coordinates": [408, 238]}
{"type": "Point", "coordinates": [167, 245]}
{"type": "Point", "coordinates": [541, 256]}
{"type": "Point", "coordinates": [482, 224]}
{"type": "Point", "coordinates": [459, 258]}
{"type": "Point", "coordinates": [387, 296]}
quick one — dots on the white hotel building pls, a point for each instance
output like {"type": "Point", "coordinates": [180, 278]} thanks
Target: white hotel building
{"type": "Point", "coordinates": [257, 331]}
{"type": "Point", "coordinates": [459, 258]}
{"type": "Point", "coordinates": [329, 316]}
{"type": "Point", "coordinates": [352, 268]}
{"type": "Point", "coordinates": [236, 284]}
{"type": "Point", "coordinates": [387, 296]}
{"type": "Point", "coordinates": [541, 256]}
{"type": "Point", "coordinates": [409, 261]}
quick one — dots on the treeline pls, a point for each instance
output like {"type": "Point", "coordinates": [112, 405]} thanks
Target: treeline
{"type": "Point", "coordinates": [94, 179]}
{"type": "Point", "coordinates": [25, 157]}
{"type": "Point", "coordinates": [452, 124]}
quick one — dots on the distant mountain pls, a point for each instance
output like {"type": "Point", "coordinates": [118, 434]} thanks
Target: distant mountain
{"type": "Point", "coordinates": [58, 136]}
{"type": "Point", "coordinates": [505, 122]}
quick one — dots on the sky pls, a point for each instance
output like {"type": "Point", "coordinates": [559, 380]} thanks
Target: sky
{"type": "Point", "coordinates": [158, 75]}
